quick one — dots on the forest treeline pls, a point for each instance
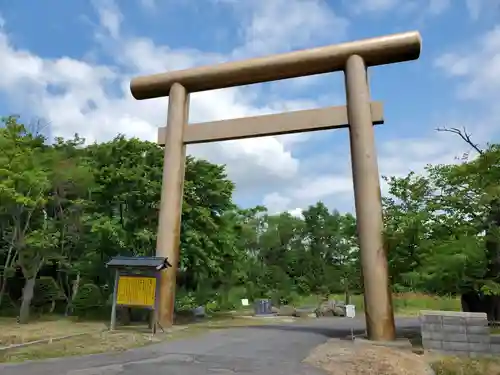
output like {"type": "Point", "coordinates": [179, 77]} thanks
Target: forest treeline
{"type": "Point", "coordinates": [66, 209]}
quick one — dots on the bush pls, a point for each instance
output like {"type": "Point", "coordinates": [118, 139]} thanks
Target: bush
{"type": "Point", "coordinates": [88, 301]}
{"type": "Point", "coordinates": [47, 291]}
{"type": "Point", "coordinates": [185, 301]}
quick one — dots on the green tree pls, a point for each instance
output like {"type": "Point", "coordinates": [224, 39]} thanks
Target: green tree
{"type": "Point", "coordinates": [33, 178]}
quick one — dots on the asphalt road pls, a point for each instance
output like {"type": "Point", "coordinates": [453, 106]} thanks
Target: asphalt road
{"type": "Point", "coordinates": [267, 350]}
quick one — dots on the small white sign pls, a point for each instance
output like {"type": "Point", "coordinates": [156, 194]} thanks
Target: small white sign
{"type": "Point", "coordinates": [244, 302]}
{"type": "Point", "coordinates": [350, 311]}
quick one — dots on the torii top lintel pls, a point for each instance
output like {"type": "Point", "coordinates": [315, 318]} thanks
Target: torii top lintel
{"type": "Point", "coordinates": [375, 51]}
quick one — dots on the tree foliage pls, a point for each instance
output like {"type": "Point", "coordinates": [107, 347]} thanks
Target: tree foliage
{"type": "Point", "coordinates": [67, 208]}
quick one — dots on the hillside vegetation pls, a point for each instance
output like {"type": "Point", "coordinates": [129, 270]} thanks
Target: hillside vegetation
{"type": "Point", "coordinates": [66, 209]}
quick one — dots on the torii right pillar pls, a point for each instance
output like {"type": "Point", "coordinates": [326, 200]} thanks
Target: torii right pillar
{"type": "Point", "coordinates": [377, 293]}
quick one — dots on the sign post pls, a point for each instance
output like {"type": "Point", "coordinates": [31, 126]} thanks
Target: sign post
{"type": "Point", "coordinates": [350, 312]}
{"type": "Point", "coordinates": [136, 285]}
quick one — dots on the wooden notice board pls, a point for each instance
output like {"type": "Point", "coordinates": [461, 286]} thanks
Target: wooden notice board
{"type": "Point", "coordinates": [136, 291]}
{"type": "Point", "coordinates": [136, 284]}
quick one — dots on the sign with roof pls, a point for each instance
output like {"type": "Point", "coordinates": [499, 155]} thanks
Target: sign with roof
{"type": "Point", "coordinates": [136, 283]}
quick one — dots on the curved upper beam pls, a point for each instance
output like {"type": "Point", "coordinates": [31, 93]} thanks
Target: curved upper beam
{"type": "Point", "coordinates": [375, 51]}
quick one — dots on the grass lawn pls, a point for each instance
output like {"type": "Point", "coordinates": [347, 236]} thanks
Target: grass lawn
{"type": "Point", "coordinates": [96, 342]}
{"type": "Point", "coordinates": [467, 366]}
{"type": "Point", "coordinates": [47, 327]}
{"type": "Point", "coordinates": [405, 304]}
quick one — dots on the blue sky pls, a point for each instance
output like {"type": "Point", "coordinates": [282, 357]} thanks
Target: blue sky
{"type": "Point", "coordinates": [70, 62]}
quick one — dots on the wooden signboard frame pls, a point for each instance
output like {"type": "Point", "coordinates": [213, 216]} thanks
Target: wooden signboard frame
{"type": "Point", "coordinates": [147, 268]}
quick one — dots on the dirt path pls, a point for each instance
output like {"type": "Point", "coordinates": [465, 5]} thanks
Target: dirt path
{"type": "Point", "coordinates": [270, 349]}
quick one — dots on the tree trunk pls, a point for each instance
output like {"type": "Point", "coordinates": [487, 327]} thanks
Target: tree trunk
{"type": "Point", "coordinates": [493, 308]}
{"type": "Point", "coordinates": [7, 264]}
{"type": "Point", "coordinates": [347, 296]}
{"type": "Point", "coordinates": [3, 281]}
{"type": "Point", "coordinates": [496, 309]}
{"type": "Point", "coordinates": [465, 304]}
{"type": "Point", "coordinates": [472, 302]}
{"type": "Point", "coordinates": [74, 292]}
{"type": "Point", "coordinates": [28, 291]}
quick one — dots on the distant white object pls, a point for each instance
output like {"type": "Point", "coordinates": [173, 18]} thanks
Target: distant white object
{"type": "Point", "coordinates": [245, 302]}
{"type": "Point", "coordinates": [350, 311]}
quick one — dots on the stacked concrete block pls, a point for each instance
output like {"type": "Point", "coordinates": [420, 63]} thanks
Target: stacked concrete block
{"type": "Point", "coordinates": [457, 333]}
{"type": "Point", "coordinates": [495, 344]}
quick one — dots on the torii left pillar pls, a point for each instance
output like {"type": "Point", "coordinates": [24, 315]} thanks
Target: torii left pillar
{"type": "Point", "coordinates": [168, 240]}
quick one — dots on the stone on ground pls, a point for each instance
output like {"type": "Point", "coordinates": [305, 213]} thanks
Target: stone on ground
{"type": "Point", "coordinates": [286, 310]}
{"type": "Point", "coordinates": [331, 308]}
{"type": "Point", "coordinates": [304, 312]}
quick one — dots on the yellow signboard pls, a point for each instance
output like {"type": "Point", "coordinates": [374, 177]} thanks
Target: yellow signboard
{"type": "Point", "coordinates": [136, 291]}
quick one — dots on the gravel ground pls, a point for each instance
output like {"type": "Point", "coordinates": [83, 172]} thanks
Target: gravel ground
{"type": "Point", "coordinates": [340, 357]}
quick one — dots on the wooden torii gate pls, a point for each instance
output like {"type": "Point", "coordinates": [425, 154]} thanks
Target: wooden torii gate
{"type": "Point", "coordinates": [359, 115]}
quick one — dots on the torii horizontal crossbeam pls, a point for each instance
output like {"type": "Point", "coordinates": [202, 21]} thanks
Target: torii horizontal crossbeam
{"type": "Point", "coordinates": [267, 125]}
{"type": "Point", "coordinates": [374, 51]}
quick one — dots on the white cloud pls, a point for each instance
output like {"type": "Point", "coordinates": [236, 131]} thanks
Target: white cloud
{"type": "Point", "coordinates": [422, 7]}
{"type": "Point", "coordinates": [396, 157]}
{"type": "Point", "coordinates": [399, 156]}
{"type": "Point", "coordinates": [477, 66]}
{"type": "Point", "coordinates": [110, 16]}
{"type": "Point", "coordinates": [77, 96]}
{"type": "Point", "coordinates": [148, 4]}
{"type": "Point", "coordinates": [296, 212]}
{"type": "Point", "coordinates": [309, 189]}
{"type": "Point", "coordinates": [477, 7]}
{"type": "Point", "coordinates": [474, 7]}
{"type": "Point", "coordinates": [275, 202]}
{"type": "Point", "coordinates": [268, 30]}
{"type": "Point", "coordinates": [360, 6]}
{"type": "Point", "coordinates": [91, 99]}
{"type": "Point", "coordinates": [438, 6]}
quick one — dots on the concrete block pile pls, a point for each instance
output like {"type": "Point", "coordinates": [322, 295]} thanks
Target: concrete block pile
{"type": "Point", "coordinates": [457, 333]}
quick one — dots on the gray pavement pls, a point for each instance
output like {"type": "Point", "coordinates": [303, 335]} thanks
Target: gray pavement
{"type": "Point", "coordinates": [270, 350]}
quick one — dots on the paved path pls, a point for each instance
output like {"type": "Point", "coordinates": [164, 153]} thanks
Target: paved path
{"type": "Point", "coordinates": [267, 350]}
